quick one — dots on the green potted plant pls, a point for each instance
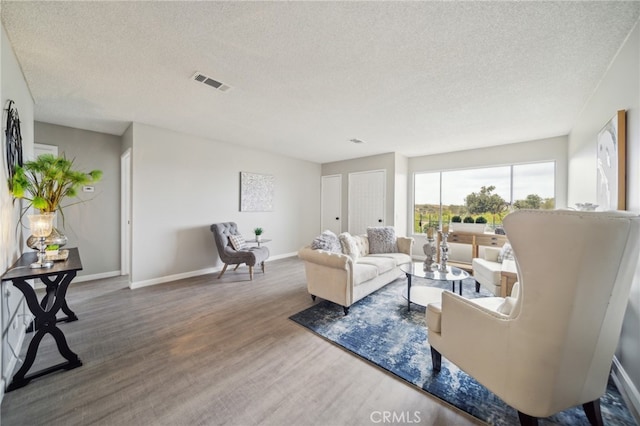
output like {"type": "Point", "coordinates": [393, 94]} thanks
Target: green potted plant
{"type": "Point", "coordinates": [52, 250]}
{"type": "Point", "coordinates": [258, 232]}
{"type": "Point", "coordinates": [468, 219]}
{"type": "Point", "coordinates": [481, 219]}
{"type": "Point", "coordinates": [456, 219]}
{"type": "Point", "coordinates": [46, 181]}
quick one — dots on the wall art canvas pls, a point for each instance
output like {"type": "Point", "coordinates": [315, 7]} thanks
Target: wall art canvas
{"type": "Point", "coordinates": [256, 192]}
{"type": "Point", "coordinates": [611, 190]}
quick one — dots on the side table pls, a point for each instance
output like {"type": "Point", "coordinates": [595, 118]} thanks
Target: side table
{"type": "Point", "coordinates": [57, 280]}
{"type": "Point", "coordinates": [255, 241]}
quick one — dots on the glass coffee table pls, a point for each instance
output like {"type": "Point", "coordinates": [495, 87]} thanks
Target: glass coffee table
{"type": "Point", "coordinates": [423, 295]}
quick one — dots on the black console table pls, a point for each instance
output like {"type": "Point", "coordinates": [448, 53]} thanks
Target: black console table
{"type": "Point", "coordinates": [57, 280]}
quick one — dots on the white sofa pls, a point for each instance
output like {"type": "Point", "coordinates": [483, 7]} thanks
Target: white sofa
{"type": "Point", "coordinates": [488, 269]}
{"type": "Point", "coordinates": [344, 279]}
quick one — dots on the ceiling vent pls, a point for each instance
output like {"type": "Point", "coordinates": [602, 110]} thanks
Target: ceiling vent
{"type": "Point", "coordinates": [199, 77]}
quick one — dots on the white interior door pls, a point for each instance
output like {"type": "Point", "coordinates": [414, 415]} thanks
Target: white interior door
{"type": "Point", "coordinates": [125, 213]}
{"type": "Point", "coordinates": [366, 200]}
{"type": "Point", "coordinates": [331, 203]}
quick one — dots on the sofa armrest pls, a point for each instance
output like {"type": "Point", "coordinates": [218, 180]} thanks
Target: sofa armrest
{"type": "Point", "coordinates": [405, 244]}
{"type": "Point", "coordinates": [326, 258]}
{"type": "Point", "coordinates": [509, 265]}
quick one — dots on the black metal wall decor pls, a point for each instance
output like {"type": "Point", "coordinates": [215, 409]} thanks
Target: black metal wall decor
{"type": "Point", "coordinates": [13, 141]}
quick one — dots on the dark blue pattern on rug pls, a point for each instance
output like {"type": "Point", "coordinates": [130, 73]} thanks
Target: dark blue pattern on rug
{"type": "Point", "coordinates": [381, 330]}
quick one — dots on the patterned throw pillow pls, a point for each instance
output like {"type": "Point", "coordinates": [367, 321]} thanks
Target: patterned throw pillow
{"type": "Point", "coordinates": [505, 253]}
{"type": "Point", "coordinates": [382, 239]}
{"type": "Point", "coordinates": [327, 241]}
{"type": "Point", "coordinates": [349, 246]}
{"type": "Point", "coordinates": [237, 242]}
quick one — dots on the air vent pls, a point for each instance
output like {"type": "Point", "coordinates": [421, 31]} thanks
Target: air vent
{"type": "Point", "coordinates": [199, 77]}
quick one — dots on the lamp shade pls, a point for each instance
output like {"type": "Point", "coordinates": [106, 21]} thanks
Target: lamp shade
{"type": "Point", "coordinates": [41, 225]}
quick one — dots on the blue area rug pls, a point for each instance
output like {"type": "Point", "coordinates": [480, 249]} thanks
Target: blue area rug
{"type": "Point", "coordinates": [381, 330]}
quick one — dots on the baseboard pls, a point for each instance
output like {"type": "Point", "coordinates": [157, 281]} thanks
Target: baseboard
{"type": "Point", "coordinates": [169, 278]}
{"type": "Point", "coordinates": [175, 277]}
{"type": "Point", "coordinates": [627, 388]}
{"type": "Point", "coordinates": [100, 276]}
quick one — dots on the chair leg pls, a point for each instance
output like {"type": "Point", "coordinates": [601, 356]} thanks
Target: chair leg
{"type": "Point", "coordinates": [313, 297]}
{"type": "Point", "coordinates": [262, 267]}
{"type": "Point", "coordinates": [527, 420]}
{"type": "Point", "coordinates": [223, 269]}
{"type": "Point", "coordinates": [237, 266]}
{"type": "Point", "coordinates": [250, 272]}
{"type": "Point", "coordinates": [477, 287]}
{"type": "Point", "coordinates": [346, 310]}
{"type": "Point", "coordinates": [592, 410]}
{"type": "Point", "coordinates": [436, 359]}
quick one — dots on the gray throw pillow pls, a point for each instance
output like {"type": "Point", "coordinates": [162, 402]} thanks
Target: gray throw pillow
{"type": "Point", "coordinates": [382, 239]}
{"type": "Point", "coordinates": [506, 252]}
{"type": "Point", "coordinates": [327, 241]}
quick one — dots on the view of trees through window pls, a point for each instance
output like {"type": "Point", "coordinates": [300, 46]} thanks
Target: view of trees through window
{"type": "Point", "coordinates": [477, 195]}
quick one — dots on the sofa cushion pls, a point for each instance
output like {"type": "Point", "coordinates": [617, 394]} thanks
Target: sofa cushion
{"type": "Point", "coordinates": [382, 264]}
{"type": "Point", "coordinates": [382, 239]}
{"type": "Point", "coordinates": [349, 246]}
{"type": "Point", "coordinates": [363, 273]}
{"type": "Point", "coordinates": [327, 241]}
{"type": "Point", "coordinates": [237, 242]}
{"type": "Point", "coordinates": [400, 258]}
{"type": "Point", "coordinates": [485, 270]}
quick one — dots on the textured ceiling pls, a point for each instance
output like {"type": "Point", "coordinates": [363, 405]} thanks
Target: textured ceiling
{"type": "Point", "coordinates": [411, 77]}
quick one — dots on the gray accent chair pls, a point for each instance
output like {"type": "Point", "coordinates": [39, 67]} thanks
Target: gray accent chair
{"type": "Point", "coordinates": [251, 256]}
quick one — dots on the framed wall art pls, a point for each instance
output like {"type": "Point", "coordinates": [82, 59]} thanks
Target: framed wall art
{"type": "Point", "coordinates": [611, 164]}
{"type": "Point", "coordinates": [256, 192]}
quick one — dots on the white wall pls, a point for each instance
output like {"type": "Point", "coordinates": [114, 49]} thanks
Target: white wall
{"type": "Point", "coordinates": [182, 184]}
{"type": "Point", "coordinates": [619, 89]}
{"type": "Point", "coordinates": [12, 307]}
{"type": "Point", "coordinates": [401, 199]}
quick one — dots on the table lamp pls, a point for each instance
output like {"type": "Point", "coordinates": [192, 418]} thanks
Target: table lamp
{"type": "Point", "coordinates": [41, 226]}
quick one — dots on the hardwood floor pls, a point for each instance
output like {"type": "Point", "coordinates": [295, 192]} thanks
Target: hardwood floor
{"type": "Point", "coordinates": [204, 351]}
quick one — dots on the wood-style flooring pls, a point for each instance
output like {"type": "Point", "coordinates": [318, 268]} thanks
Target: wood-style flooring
{"type": "Point", "coordinates": [207, 351]}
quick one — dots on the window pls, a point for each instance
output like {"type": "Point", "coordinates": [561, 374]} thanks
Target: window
{"type": "Point", "coordinates": [489, 192]}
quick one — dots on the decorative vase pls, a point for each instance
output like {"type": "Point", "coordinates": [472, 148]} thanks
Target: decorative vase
{"type": "Point", "coordinates": [258, 238]}
{"type": "Point", "coordinates": [430, 251]}
{"type": "Point", "coordinates": [444, 252]}
{"type": "Point", "coordinates": [56, 237]}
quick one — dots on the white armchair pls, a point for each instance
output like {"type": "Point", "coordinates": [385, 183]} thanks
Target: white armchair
{"type": "Point", "coordinates": [550, 346]}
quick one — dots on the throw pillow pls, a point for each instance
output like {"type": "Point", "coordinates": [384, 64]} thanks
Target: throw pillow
{"type": "Point", "coordinates": [349, 246]}
{"type": "Point", "coordinates": [492, 254]}
{"type": "Point", "coordinates": [327, 241]}
{"type": "Point", "coordinates": [237, 242]}
{"type": "Point", "coordinates": [382, 239]}
{"type": "Point", "coordinates": [505, 253]}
